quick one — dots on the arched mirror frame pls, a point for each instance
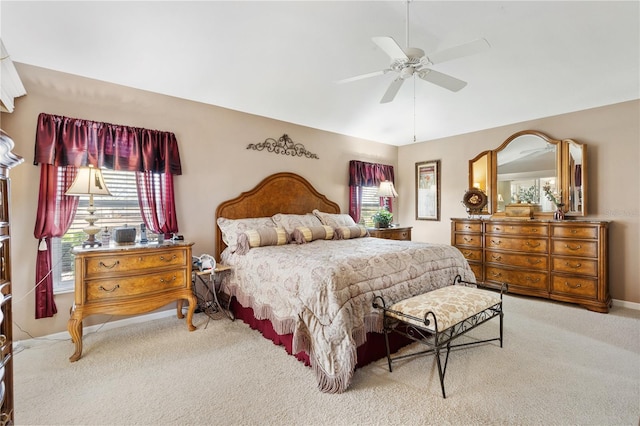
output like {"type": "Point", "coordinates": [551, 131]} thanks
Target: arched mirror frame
{"type": "Point", "coordinates": [571, 172]}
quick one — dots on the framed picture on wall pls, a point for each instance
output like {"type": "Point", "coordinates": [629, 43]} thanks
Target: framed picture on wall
{"type": "Point", "coordinates": [428, 190]}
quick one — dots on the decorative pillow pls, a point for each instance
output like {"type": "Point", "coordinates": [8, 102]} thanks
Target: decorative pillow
{"type": "Point", "coordinates": [291, 221]}
{"type": "Point", "coordinates": [305, 234]}
{"type": "Point", "coordinates": [232, 228]}
{"type": "Point", "coordinates": [334, 220]}
{"type": "Point", "coordinates": [261, 237]}
{"type": "Point", "coordinates": [348, 232]}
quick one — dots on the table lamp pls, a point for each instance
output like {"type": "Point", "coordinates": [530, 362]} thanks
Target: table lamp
{"type": "Point", "coordinates": [386, 190]}
{"type": "Point", "coordinates": [89, 181]}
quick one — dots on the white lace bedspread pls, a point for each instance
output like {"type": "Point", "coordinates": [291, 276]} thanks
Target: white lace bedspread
{"type": "Point", "coordinates": [322, 292]}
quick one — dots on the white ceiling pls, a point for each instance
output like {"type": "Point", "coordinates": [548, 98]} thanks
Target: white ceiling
{"type": "Point", "coordinates": [282, 59]}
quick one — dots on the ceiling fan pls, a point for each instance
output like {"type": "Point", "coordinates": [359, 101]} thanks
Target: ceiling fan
{"type": "Point", "coordinates": [412, 61]}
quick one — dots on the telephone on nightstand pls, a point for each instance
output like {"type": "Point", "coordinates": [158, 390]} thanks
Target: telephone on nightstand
{"type": "Point", "coordinates": [204, 262]}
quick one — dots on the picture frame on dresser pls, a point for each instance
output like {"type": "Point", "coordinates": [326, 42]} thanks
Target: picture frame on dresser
{"type": "Point", "coordinates": [428, 190]}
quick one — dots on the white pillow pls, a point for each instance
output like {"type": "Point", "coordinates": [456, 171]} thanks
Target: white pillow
{"type": "Point", "coordinates": [232, 228]}
{"type": "Point", "coordinates": [335, 220]}
{"type": "Point", "coordinates": [291, 221]}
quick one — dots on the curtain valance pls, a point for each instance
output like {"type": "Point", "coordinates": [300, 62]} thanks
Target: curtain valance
{"type": "Point", "coordinates": [369, 174]}
{"type": "Point", "coordinates": [64, 141]}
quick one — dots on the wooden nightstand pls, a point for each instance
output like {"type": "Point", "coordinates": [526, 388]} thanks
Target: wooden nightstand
{"type": "Point", "coordinates": [130, 279]}
{"type": "Point", "coordinates": [391, 233]}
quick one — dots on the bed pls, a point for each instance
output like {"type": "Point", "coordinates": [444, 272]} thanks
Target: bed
{"type": "Point", "coordinates": [312, 292]}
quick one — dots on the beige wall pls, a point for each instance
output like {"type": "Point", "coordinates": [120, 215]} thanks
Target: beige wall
{"type": "Point", "coordinates": [612, 135]}
{"type": "Point", "coordinates": [217, 166]}
{"type": "Point", "coordinates": [215, 162]}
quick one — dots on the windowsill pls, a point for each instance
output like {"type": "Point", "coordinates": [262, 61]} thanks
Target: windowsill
{"type": "Point", "coordinates": [64, 289]}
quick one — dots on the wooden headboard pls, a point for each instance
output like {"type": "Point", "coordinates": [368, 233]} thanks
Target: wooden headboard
{"type": "Point", "coordinates": [279, 193]}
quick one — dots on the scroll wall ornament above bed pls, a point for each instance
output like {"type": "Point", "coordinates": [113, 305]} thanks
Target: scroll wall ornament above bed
{"type": "Point", "coordinates": [284, 145]}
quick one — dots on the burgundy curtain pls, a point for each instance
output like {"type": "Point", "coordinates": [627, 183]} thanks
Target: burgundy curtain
{"type": "Point", "coordinates": [363, 174]}
{"type": "Point", "coordinates": [157, 204]}
{"type": "Point", "coordinates": [67, 143]}
{"type": "Point", "coordinates": [54, 216]}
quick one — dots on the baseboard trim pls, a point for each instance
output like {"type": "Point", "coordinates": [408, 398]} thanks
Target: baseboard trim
{"type": "Point", "coordinates": [64, 335]}
{"type": "Point", "coordinates": [625, 304]}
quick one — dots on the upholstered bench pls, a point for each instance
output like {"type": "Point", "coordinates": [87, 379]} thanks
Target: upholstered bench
{"type": "Point", "coordinates": [438, 317]}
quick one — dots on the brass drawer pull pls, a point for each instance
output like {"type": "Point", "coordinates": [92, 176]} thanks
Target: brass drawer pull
{"type": "Point", "coordinates": [576, 266]}
{"type": "Point", "coordinates": [531, 245]}
{"type": "Point", "coordinates": [101, 288]}
{"type": "Point", "coordinates": [573, 248]}
{"type": "Point", "coordinates": [496, 242]}
{"type": "Point", "coordinates": [534, 262]}
{"type": "Point", "coordinates": [533, 230]}
{"type": "Point", "coordinates": [467, 239]}
{"type": "Point", "coordinates": [496, 274]}
{"type": "Point", "coordinates": [467, 254]}
{"type": "Point", "coordinates": [168, 260]}
{"type": "Point", "coordinates": [572, 286]}
{"type": "Point", "coordinates": [494, 257]}
{"type": "Point", "coordinates": [537, 280]}
{"type": "Point", "coordinates": [573, 231]}
{"type": "Point", "coordinates": [116, 263]}
{"type": "Point", "coordinates": [496, 228]}
{"type": "Point", "coordinates": [162, 280]}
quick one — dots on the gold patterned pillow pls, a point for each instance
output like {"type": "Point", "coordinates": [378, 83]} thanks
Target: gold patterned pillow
{"type": "Point", "coordinates": [261, 237]}
{"type": "Point", "coordinates": [451, 305]}
{"type": "Point", "coordinates": [306, 234]}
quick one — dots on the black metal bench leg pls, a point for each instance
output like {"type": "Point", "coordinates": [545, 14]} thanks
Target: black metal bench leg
{"type": "Point", "coordinates": [501, 316]}
{"type": "Point", "coordinates": [440, 370]}
{"type": "Point", "coordinates": [386, 343]}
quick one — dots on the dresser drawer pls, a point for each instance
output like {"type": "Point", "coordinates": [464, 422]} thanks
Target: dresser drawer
{"type": "Point", "coordinates": [575, 266]}
{"type": "Point", "coordinates": [471, 254]}
{"type": "Point", "coordinates": [537, 280]}
{"type": "Point", "coordinates": [590, 232]}
{"type": "Point", "coordinates": [477, 271]}
{"type": "Point", "coordinates": [122, 263]}
{"type": "Point", "coordinates": [132, 286]}
{"type": "Point", "coordinates": [468, 227]}
{"type": "Point", "coordinates": [575, 248]}
{"type": "Point", "coordinates": [472, 240]}
{"type": "Point", "coordinates": [402, 235]}
{"type": "Point", "coordinates": [530, 245]}
{"type": "Point", "coordinates": [530, 261]}
{"type": "Point", "coordinates": [573, 285]}
{"type": "Point", "coordinates": [519, 229]}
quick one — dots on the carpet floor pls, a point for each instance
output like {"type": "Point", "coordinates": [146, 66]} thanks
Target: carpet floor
{"type": "Point", "coordinates": [560, 365]}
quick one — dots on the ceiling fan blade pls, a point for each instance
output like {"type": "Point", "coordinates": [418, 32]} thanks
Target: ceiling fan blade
{"type": "Point", "coordinates": [442, 80]}
{"type": "Point", "coordinates": [392, 91]}
{"type": "Point", "coordinates": [363, 76]}
{"type": "Point", "coordinates": [456, 52]}
{"type": "Point", "coordinates": [390, 46]}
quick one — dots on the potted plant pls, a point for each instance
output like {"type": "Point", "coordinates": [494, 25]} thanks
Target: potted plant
{"type": "Point", "coordinates": [382, 218]}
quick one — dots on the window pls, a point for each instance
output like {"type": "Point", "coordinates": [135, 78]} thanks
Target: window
{"type": "Point", "coordinates": [370, 205]}
{"type": "Point", "coordinates": [120, 209]}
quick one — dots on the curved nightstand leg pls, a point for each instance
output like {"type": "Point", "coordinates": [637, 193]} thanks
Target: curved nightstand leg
{"type": "Point", "coordinates": [192, 308]}
{"type": "Point", "coordinates": [179, 309]}
{"type": "Point", "coordinates": [74, 326]}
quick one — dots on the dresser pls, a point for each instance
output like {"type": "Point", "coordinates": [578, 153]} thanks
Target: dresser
{"type": "Point", "coordinates": [7, 160]}
{"type": "Point", "coordinates": [128, 280]}
{"type": "Point", "coordinates": [391, 233]}
{"type": "Point", "coordinates": [559, 260]}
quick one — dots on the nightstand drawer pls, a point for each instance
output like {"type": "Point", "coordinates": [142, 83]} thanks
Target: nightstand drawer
{"type": "Point", "coordinates": [132, 286]}
{"type": "Point", "coordinates": [391, 233]}
{"type": "Point", "coordinates": [119, 263]}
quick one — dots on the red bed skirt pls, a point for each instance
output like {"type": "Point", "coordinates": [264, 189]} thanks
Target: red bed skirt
{"type": "Point", "coordinates": [372, 350]}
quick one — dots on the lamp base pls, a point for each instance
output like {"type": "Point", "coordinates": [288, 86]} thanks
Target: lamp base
{"type": "Point", "coordinates": [92, 242]}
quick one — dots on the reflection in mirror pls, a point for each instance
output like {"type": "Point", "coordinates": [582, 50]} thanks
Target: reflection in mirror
{"type": "Point", "coordinates": [524, 166]}
{"type": "Point", "coordinates": [479, 175]}
{"type": "Point", "coordinates": [575, 170]}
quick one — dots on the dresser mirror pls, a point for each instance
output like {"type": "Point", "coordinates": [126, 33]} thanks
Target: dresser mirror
{"type": "Point", "coordinates": [518, 171]}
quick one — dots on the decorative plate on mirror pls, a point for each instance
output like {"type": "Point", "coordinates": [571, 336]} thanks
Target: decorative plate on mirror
{"type": "Point", "coordinates": [475, 200]}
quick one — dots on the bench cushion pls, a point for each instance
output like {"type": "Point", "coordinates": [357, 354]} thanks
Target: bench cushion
{"type": "Point", "coordinates": [451, 305]}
